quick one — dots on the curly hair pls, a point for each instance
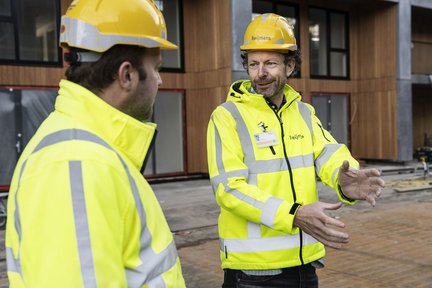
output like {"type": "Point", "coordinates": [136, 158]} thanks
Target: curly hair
{"type": "Point", "coordinates": [290, 56]}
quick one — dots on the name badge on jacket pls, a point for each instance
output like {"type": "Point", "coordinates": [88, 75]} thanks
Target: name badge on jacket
{"type": "Point", "coordinates": [266, 139]}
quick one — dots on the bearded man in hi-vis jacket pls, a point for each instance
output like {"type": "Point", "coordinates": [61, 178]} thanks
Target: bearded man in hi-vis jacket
{"type": "Point", "coordinates": [265, 147]}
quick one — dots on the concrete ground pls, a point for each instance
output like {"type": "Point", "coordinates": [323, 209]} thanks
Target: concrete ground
{"type": "Point", "coordinates": [390, 245]}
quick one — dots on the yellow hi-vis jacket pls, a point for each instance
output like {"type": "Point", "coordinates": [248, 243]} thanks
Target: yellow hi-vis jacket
{"type": "Point", "coordinates": [80, 213]}
{"type": "Point", "coordinates": [262, 166]}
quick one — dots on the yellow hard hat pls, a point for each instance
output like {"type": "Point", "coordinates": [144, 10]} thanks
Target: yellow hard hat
{"type": "Point", "coordinates": [97, 25]}
{"type": "Point", "coordinates": [269, 32]}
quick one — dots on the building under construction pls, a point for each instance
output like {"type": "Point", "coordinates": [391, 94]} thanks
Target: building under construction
{"type": "Point", "coordinates": [366, 69]}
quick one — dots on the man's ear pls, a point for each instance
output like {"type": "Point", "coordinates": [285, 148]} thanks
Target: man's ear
{"type": "Point", "coordinates": [289, 68]}
{"type": "Point", "coordinates": [126, 75]}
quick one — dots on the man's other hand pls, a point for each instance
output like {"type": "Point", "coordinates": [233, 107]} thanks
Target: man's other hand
{"type": "Point", "coordinates": [363, 184]}
{"type": "Point", "coordinates": [312, 220]}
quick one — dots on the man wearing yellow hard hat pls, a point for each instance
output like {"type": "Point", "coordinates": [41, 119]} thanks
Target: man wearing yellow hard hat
{"type": "Point", "coordinates": [80, 212]}
{"type": "Point", "coordinates": [264, 148]}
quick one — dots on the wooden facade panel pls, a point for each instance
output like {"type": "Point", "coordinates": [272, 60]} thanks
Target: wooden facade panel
{"type": "Point", "coordinates": [207, 42]}
{"type": "Point", "coordinates": [378, 129]}
{"type": "Point", "coordinates": [374, 133]}
{"type": "Point", "coordinates": [200, 104]}
{"type": "Point", "coordinates": [374, 125]}
{"type": "Point", "coordinates": [206, 79]}
{"type": "Point", "coordinates": [421, 58]}
{"type": "Point", "coordinates": [30, 76]}
{"type": "Point", "coordinates": [207, 34]}
{"type": "Point", "coordinates": [385, 40]}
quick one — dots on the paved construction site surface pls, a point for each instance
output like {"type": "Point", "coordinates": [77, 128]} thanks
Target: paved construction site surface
{"type": "Point", "coordinates": [390, 245]}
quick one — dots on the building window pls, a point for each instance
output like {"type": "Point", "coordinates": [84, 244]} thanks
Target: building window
{"type": "Point", "coordinates": [333, 112]}
{"type": "Point", "coordinates": [167, 157]}
{"type": "Point", "coordinates": [21, 113]}
{"type": "Point", "coordinates": [328, 41]}
{"type": "Point", "coordinates": [172, 11]}
{"type": "Point", "coordinates": [29, 32]}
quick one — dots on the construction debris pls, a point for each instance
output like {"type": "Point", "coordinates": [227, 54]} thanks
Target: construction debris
{"type": "Point", "coordinates": [410, 185]}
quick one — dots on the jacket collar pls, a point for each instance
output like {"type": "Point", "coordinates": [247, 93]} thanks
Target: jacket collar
{"type": "Point", "coordinates": [127, 135]}
{"type": "Point", "coordinates": [240, 91]}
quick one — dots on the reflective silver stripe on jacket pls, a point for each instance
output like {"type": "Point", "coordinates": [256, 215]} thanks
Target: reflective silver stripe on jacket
{"type": "Point", "coordinates": [328, 151]}
{"type": "Point", "coordinates": [265, 244]}
{"type": "Point", "coordinates": [307, 117]}
{"type": "Point", "coordinates": [153, 264]}
{"type": "Point", "coordinates": [81, 224]}
{"type": "Point", "coordinates": [79, 33]}
{"type": "Point", "coordinates": [12, 263]}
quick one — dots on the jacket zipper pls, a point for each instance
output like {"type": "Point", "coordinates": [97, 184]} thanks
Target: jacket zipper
{"type": "Point", "coordinates": [292, 181]}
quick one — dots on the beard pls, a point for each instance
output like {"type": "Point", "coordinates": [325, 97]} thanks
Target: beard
{"type": "Point", "coordinates": [269, 87]}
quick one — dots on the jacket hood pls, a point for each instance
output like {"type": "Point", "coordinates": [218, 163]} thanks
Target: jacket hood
{"type": "Point", "coordinates": [240, 91]}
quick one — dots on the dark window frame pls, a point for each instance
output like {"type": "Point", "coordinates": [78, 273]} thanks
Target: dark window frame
{"type": "Point", "coordinates": [181, 46]}
{"type": "Point", "coordinates": [329, 48]}
{"type": "Point", "coordinates": [14, 20]}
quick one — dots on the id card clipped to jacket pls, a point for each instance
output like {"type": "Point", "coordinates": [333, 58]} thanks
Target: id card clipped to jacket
{"type": "Point", "coordinates": [266, 139]}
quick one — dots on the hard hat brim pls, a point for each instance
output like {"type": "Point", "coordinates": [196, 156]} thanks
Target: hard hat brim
{"type": "Point", "coordinates": [269, 47]}
{"type": "Point", "coordinates": [80, 34]}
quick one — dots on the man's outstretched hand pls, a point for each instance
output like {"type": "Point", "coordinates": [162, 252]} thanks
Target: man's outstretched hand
{"type": "Point", "coordinates": [363, 184]}
{"type": "Point", "coordinates": [312, 220]}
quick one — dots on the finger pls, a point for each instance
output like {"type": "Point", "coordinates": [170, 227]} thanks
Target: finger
{"type": "Point", "coordinates": [375, 190]}
{"type": "Point", "coordinates": [336, 236]}
{"type": "Point", "coordinates": [327, 243]}
{"type": "Point", "coordinates": [378, 192]}
{"type": "Point", "coordinates": [371, 172]}
{"type": "Point", "coordinates": [331, 236]}
{"type": "Point", "coordinates": [331, 206]}
{"type": "Point", "coordinates": [334, 222]}
{"type": "Point", "coordinates": [345, 166]}
{"type": "Point", "coordinates": [333, 245]}
{"type": "Point", "coordinates": [371, 199]}
{"type": "Point", "coordinates": [377, 182]}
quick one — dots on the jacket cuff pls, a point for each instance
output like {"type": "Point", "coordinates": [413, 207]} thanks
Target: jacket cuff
{"type": "Point", "coordinates": [294, 208]}
{"type": "Point", "coordinates": [344, 198]}
{"type": "Point", "coordinates": [285, 217]}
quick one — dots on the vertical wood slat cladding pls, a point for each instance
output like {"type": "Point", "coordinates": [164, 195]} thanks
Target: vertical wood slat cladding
{"type": "Point", "coordinates": [201, 103]}
{"type": "Point", "coordinates": [207, 44]}
{"type": "Point", "coordinates": [374, 69]}
{"type": "Point", "coordinates": [207, 54]}
{"type": "Point", "coordinates": [372, 84]}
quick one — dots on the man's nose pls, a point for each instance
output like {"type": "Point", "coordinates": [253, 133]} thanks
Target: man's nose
{"type": "Point", "coordinates": [159, 80]}
{"type": "Point", "coordinates": [262, 71]}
